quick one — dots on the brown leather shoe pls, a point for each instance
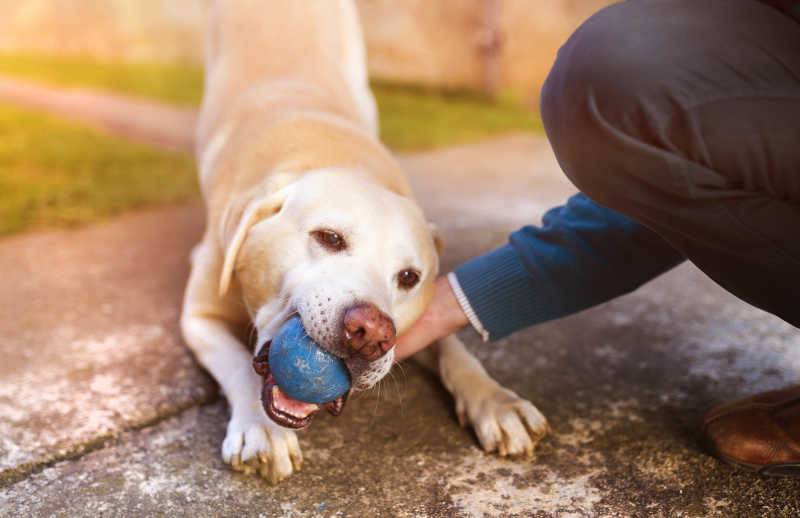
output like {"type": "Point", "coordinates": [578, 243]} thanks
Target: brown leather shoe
{"type": "Point", "coordinates": [760, 433]}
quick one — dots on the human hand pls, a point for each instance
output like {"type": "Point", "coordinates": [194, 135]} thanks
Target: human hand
{"type": "Point", "coordinates": [442, 317]}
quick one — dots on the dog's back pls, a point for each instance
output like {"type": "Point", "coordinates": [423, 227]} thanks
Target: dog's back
{"type": "Point", "coordinates": [308, 214]}
{"type": "Point", "coordinates": [311, 50]}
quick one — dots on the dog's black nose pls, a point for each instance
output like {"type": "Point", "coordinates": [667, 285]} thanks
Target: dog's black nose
{"type": "Point", "coordinates": [368, 331]}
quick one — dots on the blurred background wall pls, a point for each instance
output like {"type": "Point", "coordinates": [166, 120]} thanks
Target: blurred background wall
{"type": "Point", "coordinates": [488, 45]}
{"type": "Point", "coordinates": [135, 30]}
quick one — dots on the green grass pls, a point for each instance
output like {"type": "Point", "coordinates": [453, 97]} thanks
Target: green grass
{"type": "Point", "coordinates": [410, 117]}
{"type": "Point", "coordinates": [420, 118]}
{"type": "Point", "coordinates": [55, 173]}
{"type": "Point", "coordinates": [175, 83]}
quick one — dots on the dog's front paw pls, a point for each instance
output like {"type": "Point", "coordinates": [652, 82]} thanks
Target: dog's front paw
{"type": "Point", "coordinates": [255, 444]}
{"type": "Point", "coordinates": [503, 421]}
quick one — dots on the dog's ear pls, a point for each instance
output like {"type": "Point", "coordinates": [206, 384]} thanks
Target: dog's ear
{"type": "Point", "coordinates": [438, 240]}
{"type": "Point", "coordinates": [236, 222]}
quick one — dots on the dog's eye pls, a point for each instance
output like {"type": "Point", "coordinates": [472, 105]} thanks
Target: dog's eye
{"type": "Point", "coordinates": [331, 240]}
{"type": "Point", "coordinates": [407, 279]}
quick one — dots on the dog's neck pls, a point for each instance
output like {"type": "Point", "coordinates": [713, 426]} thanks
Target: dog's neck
{"type": "Point", "coordinates": [277, 152]}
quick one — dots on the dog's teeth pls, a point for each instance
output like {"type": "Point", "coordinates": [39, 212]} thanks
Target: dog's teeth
{"type": "Point", "coordinates": [307, 410]}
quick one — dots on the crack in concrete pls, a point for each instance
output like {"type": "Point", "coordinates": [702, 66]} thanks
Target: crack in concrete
{"type": "Point", "coordinates": [20, 472]}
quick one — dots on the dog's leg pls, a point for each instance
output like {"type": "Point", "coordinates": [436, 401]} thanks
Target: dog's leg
{"type": "Point", "coordinates": [502, 420]}
{"type": "Point", "coordinates": [253, 443]}
{"type": "Point", "coordinates": [355, 67]}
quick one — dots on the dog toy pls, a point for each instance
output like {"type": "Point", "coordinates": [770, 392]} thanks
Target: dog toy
{"type": "Point", "coordinates": [302, 369]}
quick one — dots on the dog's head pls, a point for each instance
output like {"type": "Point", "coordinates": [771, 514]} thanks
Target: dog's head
{"type": "Point", "coordinates": [355, 260]}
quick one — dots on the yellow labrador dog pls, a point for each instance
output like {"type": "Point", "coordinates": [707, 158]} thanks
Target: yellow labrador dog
{"type": "Point", "coordinates": [307, 213]}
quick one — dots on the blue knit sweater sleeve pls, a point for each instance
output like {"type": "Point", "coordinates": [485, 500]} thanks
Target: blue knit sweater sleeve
{"type": "Point", "coordinates": [582, 255]}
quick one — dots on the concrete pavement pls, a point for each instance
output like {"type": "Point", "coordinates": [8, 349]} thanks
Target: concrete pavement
{"type": "Point", "coordinates": [103, 411]}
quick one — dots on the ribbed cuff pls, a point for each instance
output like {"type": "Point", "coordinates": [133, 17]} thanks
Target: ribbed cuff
{"type": "Point", "coordinates": [466, 307]}
{"type": "Point", "coordinates": [500, 292]}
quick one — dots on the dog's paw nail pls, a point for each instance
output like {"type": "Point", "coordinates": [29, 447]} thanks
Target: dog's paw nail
{"type": "Point", "coordinates": [502, 446]}
{"type": "Point", "coordinates": [268, 451]}
{"type": "Point", "coordinates": [236, 463]}
{"type": "Point", "coordinates": [504, 422]}
{"type": "Point", "coordinates": [263, 457]}
{"type": "Point", "coordinates": [529, 452]}
{"type": "Point", "coordinates": [274, 478]}
{"type": "Point", "coordinates": [297, 461]}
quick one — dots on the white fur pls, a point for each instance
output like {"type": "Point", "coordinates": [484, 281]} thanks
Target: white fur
{"type": "Point", "coordinates": [211, 152]}
{"type": "Point", "coordinates": [319, 285]}
{"type": "Point", "coordinates": [259, 262]}
{"type": "Point", "coordinates": [503, 421]}
{"type": "Point", "coordinates": [253, 442]}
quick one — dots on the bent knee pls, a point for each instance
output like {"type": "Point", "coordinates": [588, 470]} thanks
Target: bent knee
{"type": "Point", "coordinates": [608, 87]}
{"type": "Point", "coordinates": [624, 51]}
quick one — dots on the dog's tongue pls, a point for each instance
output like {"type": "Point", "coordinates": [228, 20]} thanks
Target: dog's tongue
{"type": "Point", "coordinates": [282, 408]}
{"type": "Point", "coordinates": [289, 405]}
{"type": "Point", "coordinates": [285, 410]}
{"type": "Point", "coordinates": [289, 412]}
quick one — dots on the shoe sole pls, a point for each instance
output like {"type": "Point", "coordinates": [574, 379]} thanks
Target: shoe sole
{"type": "Point", "coordinates": [788, 469]}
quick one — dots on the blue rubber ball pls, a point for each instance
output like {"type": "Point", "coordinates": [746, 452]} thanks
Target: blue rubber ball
{"type": "Point", "coordinates": [302, 369]}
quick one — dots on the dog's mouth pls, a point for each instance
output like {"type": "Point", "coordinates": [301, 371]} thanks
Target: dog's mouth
{"type": "Point", "coordinates": [283, 409]}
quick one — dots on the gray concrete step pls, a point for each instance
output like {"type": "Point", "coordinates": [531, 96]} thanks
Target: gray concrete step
{"type": "Point", "coordinates": [89, 337]}
{"type": "Point", "coordinates": [92, 360]}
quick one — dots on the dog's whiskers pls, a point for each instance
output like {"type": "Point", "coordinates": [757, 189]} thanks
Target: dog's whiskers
{"type": "Point", "coordinates": [397, 389]}
{"type": "Point", "coordinates": [377, 399]}
{"type": "Point", "coordinates": [401, 368]}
